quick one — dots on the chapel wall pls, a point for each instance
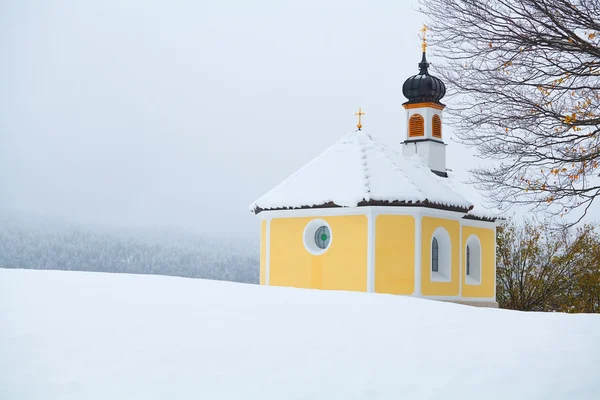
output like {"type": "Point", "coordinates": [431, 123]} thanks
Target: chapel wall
{"type": "Point", "coordinates": [395, 254]}
{"type": "Point", "coordinates": [429, 287]}
{"type": "Point", "coordinates": [343, 266]}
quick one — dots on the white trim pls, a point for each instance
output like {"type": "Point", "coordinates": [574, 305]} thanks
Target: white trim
{"type": "Point", "coordinates": [478, 224]}
{"type": "Point", "coordinates": [472, 281]}
{"type": "Point", "coordinates": [418, 234]}
{"type": "Point", "coordinates": [268, 253]}
{"type": "Point", "coordinates": [495, 276]}
{"type": "Point", "coordinates": [472, 299]}
{"type": "Point", "coordinates": [388, 210]}
{"type": "Point", "coordinates": [314, 212]}
{"type": "Point", "coordinates": [371, 251]}
{"type": "Point", "coordinates": [460, 274]}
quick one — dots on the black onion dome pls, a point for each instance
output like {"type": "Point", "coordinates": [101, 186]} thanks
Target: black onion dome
{"type": "Point", "coordinates": [423, 88]}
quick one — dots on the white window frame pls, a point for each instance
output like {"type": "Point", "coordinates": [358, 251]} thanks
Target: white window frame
{"type": "Point", "coordinates": [308, 237]}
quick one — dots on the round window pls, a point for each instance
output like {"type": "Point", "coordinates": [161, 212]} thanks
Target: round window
{"type": "Point", "coordinates": [322, 237]}
{"type": "Point", "coordinates": [317, 237]}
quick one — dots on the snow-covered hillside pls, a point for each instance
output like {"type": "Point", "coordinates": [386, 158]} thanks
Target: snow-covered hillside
{"type": "Point", "coordinates": [80, 335]}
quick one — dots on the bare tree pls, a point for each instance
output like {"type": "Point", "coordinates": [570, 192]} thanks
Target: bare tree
{"type": "Point", "coordinates": [523, 79]}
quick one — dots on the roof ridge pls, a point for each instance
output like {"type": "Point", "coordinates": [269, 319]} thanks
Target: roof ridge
{"type": "Point", "coordinates": [364, 164]}
{"type": "Point", "coordinates": [396, 166]}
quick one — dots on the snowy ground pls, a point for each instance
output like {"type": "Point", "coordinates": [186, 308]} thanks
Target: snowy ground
{"type": "Point", "coordinates": [76, 335]}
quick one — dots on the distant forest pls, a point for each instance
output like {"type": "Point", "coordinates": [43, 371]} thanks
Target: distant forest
{"type": "Point", "coordinates": [45, 245]}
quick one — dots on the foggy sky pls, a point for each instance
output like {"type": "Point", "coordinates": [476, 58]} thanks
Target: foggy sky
{"type": "Point", "coordinates": [182, 113]}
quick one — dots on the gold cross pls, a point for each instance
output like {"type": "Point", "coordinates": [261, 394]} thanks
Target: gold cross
{"type": "Point", "coordinates": [360, 114]}
{"type": "Point", "coordinates": [424, 37]}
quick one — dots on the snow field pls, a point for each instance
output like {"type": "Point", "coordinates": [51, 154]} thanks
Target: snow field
{"type": "Point", "coordinates": [81, 335]}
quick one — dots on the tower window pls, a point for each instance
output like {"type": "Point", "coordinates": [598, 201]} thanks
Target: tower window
{"type": "Point", "coordinates": [436, 122]}
{"type": "Point", "coordinates": [416, 125]}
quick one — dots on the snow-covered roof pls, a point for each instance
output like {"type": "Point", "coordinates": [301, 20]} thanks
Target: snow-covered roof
{"type": "Point", "coordinates": [357, 169]}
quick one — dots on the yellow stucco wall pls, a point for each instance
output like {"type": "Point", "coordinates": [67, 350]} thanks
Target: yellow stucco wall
{"type": "Point", "coordinates": [263, 251]}
{"type": "Point", "coordinates": [342, 267]}
{"type": "Point", "coordinates": [428, 226]}
{"type": "Point", "coordinates": [394, 254]}
{"type": "Point", "coordinates": [488, 242]}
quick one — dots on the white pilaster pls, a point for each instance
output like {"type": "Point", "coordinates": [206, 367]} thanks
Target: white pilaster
{"type": "Point", "coordinates": [417, 291]}
{"type": "Point", "coordinates": [268, 254]}
{"type": "Point", "coordinates": [495, 276]}
{"type": "Point", "coordinates": [460, 259]}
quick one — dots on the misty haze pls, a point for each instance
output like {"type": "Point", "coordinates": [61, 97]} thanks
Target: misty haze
{"type": "Point", "coordinates": [141, 113]}
{"type": "Point", "coordinates": [144, 117]}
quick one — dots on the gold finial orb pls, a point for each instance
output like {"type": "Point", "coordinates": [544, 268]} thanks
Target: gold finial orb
{"type": "Point", "coordinates": [424, 37]}
{"type": "Point", "coordinates": [359, 114]}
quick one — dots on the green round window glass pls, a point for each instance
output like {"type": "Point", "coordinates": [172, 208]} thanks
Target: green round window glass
{"type": "Point", "coordinates": [322, 237]}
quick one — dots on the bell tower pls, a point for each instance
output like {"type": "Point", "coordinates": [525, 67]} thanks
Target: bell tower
{"type": "Point", "coordinates": [424, 116]}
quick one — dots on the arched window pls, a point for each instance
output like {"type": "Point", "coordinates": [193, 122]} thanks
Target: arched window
{"type": "Point", "coordinates": [441, 256]}
{"type": "Point", "coordinates": [436, 123]}
{"type": "Point", "coordinates": [434, 255]}
{"type": "Point", "coordinates": [468, 260]}
{"type": "Point", "coordinates": [473, 261]}
{"type": "Point", "coordinates": [416, 125]}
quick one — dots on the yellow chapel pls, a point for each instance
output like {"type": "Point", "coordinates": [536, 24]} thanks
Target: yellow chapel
{"type": "Point", "coordinates": [362, 216]}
